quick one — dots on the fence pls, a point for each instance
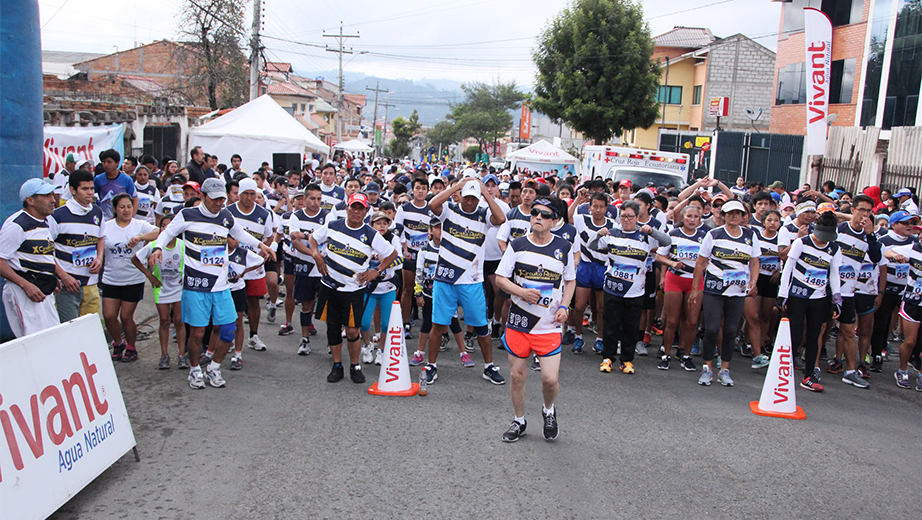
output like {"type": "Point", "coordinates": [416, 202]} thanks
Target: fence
{"type": "Point", "coordinates": [895, 177]}
{"type": "Point", "coordinates": [759, 157]}
{"type": "Point", "coordinates": [843, 172]}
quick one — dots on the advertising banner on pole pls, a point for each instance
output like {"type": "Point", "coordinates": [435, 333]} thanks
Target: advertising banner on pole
{"type": "Point", "coordinates": [83, 142]}
{"type": "Point", "coordinates": [525, 126]}
{"type": "Point", "coordinates": [818, 42]}
{"type": "Point", "coordinates": [62, 417]}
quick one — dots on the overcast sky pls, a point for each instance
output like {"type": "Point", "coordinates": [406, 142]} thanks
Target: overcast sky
{"type": "Point", "coordinates": [485, 40]}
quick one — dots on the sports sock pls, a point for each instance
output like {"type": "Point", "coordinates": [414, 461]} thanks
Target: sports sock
{"type": "Point", "coordinates": [520, 420]}
{"type": "Point", "coordinates": [847, 372]}
{"type": "Point", "coordinates": [487, 365]}
{"type": "Point", "coordinates": [214, 366]}
{"type": "Point", "coordinates": [579, 336]}
{"type": "Point", "coordinates": [548, 411]}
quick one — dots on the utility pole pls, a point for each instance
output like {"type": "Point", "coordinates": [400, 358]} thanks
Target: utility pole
{"type": "Point", "coordinates": [254, 50]}
{"type": "Point", "coordinates": [340, 38]}
{"type": "Point", "coordinates": [374, 129]}
{"type": "Point", "coordinates": [384, 130]}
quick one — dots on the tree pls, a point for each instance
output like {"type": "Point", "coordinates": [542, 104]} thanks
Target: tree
{"type": "Point", "coordinates": [484, 113]}
{"type": "Point", "coordinates": [442, 134]}
{"type": "Point", "coordinates": [471, 153]}
{"type": "Point", "coordinates": [595, 69]}
{"type": "Point", "coordinates": [215, 27]}
{"type": "Point", "coordinates": [404, 130]}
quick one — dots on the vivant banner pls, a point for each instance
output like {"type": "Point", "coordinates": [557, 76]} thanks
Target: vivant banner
{"type": "Point", "coordinates": [61, 414]}
{"type": "Point", "coordinates": [525, 123]}
{"type": "Point", "coordinates": [818, 41]}
{"type": "Point", "coordinates": [545, 169]}
{"type": "Point", "coordinates": [84, 142]}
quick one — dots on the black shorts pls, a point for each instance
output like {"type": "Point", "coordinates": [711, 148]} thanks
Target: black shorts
{"type": "Point", "coordinates": [649, 291]}
{"type": "Point", "coordinates": [127, 293]}
{"type": "Point", "coordinates": [240, 300]}
{"type": "Point", "coordinates": [911, 312]}
{"type": "Point", "coordinates": [765, 288]}
{"type": "Point", "coordinates": [288, 267]}
{"type": "Point", "coordinates": [489, 267]}
{"type": "Point", "coordinates": [864, 304]}
{"type": "Point", "coordinates": [271, 266]}
{"type": "Point", "coordinates": [339, 309]}
{"type": "Point", "coordinates": [847, 315]}
{"type": "Point", "coordinates": [409, 264]}
{"type": "Point", "coordinates": [305, 288]}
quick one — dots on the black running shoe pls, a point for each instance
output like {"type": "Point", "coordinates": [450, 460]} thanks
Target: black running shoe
{"type": "Point", "coordinates": [550, 425]}
{"type": "Point", "coordinates": [515, 431]}
{"type": "Point", "coordinates": [497, 331]}
{"type": "Point", "coordinates": [355, 372]}
{"type": "Point", "coordinates": [664, 363]}
{"type": "Point", "coordinates": [916, 363]}
{"type": "Point", "coordinates": [336, 375]}
{"type": "Point", "coordinates": [432, 373]}
{"type": "Point", "coordinates": [878, 364]}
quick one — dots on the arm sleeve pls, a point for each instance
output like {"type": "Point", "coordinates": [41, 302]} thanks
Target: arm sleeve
{"type": "Point", "coordinates": [834, 281]}
{"type": "Point", "coordinates": [399, 217]}
{"type": "Point", "coordinates": [172, 230]}
{"type": "Point", "coordinates": [788, 271]}
{"type": "Point", "coordinates": [569, 272]}
{"type": "Point", "coordinates": [320, 234]}
{"type": "Point", "coordinates": [252, 259]}
{"type": "Point", "coordinates": [706, 245]}
{"type": "Point", "coordinates": [143, 253]}
{"type": "Point", "coordinates": [382, 246]}
{"type": "Point", "coordinates": [756, 246]}
{"type": "Point", "coordinates": [504, 231]}
{"type": "Point", "coordinates": [662, 238]}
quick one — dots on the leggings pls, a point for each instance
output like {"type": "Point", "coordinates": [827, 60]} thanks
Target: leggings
{"type": "Point", "coordinates": [386, 301]}
{"type": "Point", "coordinates": [621, 318]}
{"type": "Point", "coordinates": [426, 327]}
{"type": "Point", "coordinates": [881, 331]}
{"type": "Point", "coordinates": [716, 308]}
{"type": "Point", "coordinates": [814, 313]}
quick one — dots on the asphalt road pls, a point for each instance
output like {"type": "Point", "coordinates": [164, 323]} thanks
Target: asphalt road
{"type": "Point", "coordinates": [281, 442]}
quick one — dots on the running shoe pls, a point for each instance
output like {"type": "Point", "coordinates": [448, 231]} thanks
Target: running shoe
{"type": "Point", "coordinates": [379, 356]}
{"type": "Point", "coordinates": [823, 354]}
{"type": "Point", "coordinates": [568, 337]}
{"type": "Point", "coordinates": [854, 379]}
{"type": "Point", "coordinates": [918, 382]}
{"type": "Point", "coordinates": [492, 375]}
{"type": "Point", "coordinates": [760, 361]}
{"type": "Point", "coordinates": [817, 374]}
{"type": "Point", "coordinates": [706, 376]}
{"type": "Point", "coordinates": [746, 350]}
{"type": "Point", "coordinates": [835, 366]}
{"type": "Point", "coordinates": [443, 346]}
{"type": "Point", "coordinates": [641, 349]}
{"type": "Point", "coordinates": [304, 348]}
{"type": "Point", "coordinates": [164, 363]}
{"type": "Point", "coordinates": [312, 330]}
{"type": "Point", "coordinates": [466, 360]}
{"type": "Point", "coordinates": [578, 345]}
{"type": "Point", "coordinates": [878, 364]}
{"type": "Point", "coordinates": [550, 425]}
{"type": "Point", "coordinates": [182, 361]}
{"type": "Point", "coordinates": [902, 379]}
{"type": "Point", "coordinates": [355, 373]}
{"type": "Point", "coordinates": [270, 317]}
{"type": "Point", "coordinates": [597, 346]}
{"type": "Point", "coordinates": [916, 363]}
{"type": "Point", "coordinates": [406, 332]}
{"type": "Point", "coordinates": [688, 364]}
{"type": "Point", "coordinates": [657, 330]}
{"type": "Point", "coordinates": [213, 375]}
{"type": "Point", "coordinates": [627, 367]}
{"type": "Point", "coordinates": [664, 363]}
{"type": "Point", "coordinates": [696, 348]}
{"type": "Point", "coordinates": [236, 363]}
{"type": "Point", "coordinates": [605, 366]}
{"type": "Point", "coordinates": [885, 353]}
{"type": "Point", "coordinates": [432, 373]}
{"type": "Point", "coordinates": [469, 341]}
{"type": "Point", "coordinates": [336, 374]}
{"type": "Point", "coordinates": [204, 360]}
{"type": "Point", "coordinates": [256, 344]}
{"type": "Point", "coordinates": [117, 349]}
{"type": "Point", "coordinates": [811, 384]}
{"type": "Point", "coordinates": [863, 371]}
{"type": "Point", "coordinates": [497, 331]}
{"type": "Point", "coordinates": [834, 332]}
{"type": "Point", "coordinates": [723, 377]}
{"type": "Point", "coordinates": [514, 432]}
{"type": "Point", "coordinates": [535, 364]}
{"type": "Point", "coordinates": [647, 338]}
{"type": "Point", "coordinates": [286, 329]}
{"type": "Point", "coordinates": [196, 380]}
{"type": "Point", "coordinates": [799, 363]}
{"type": "Point", "coordinates": [368, 354]}
{"type": "Point", "coordinates": [417, 358]}
{"type": "Point", "coordinates": [130, 354]}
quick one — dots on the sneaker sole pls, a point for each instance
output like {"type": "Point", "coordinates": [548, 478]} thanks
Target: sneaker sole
{"type": "Point", "coordinates": [513, 440]}
{"type": "Point", "coordinates": [490, 379]}
{"type": "Point", "coordinates": [196, 387]}
{"type": "Point", "coordinates": [725, 384]}
{"type": "Point", "coordinates": [303, 352]}
{"type": "Point", "coordinates": [554, 438]}
{"type": "Point", "coordinates": [758, 367]}
{"type": "Point", "coordinates": [809, 388]}
{"type": "Point", "coordinates": [850, 382]}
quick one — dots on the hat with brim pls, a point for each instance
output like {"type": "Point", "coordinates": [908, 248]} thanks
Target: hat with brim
{"type": "Point", "coordinates": [213, 188]}
{"type": "Point", "coordinates": [733, 205]}
{"type": "Point", "coordinates": [825, 233]}
{"type": "Point", "coordinates": [900, 216]}
{"type": "Point", "coordinates": [33, 187]}
{"type": "Point", "coordinates": [804, 207]}
{"type": "Point", "coordinates": [471, 189]}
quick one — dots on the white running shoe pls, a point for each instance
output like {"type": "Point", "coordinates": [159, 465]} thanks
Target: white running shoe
{"type": "Point", "coordinates": [640, 349]}
{"type": "Point", "coordinates": [379, 356]}
{"type": "Point", "coordinates": [368, 354]}
{"type": "Point", "coordinates": [256, 344]}
{"type": "Point", "coordinates": [214, 377]}
{"type": "Point", "coordinates": [196, 380]}
{"type": "Point", "coordinates": [305, 347]}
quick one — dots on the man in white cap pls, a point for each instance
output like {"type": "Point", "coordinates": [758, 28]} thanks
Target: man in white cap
{"type": "Point", "coordinates": [27, 262]}
{"type": "Point", "coordinates": [906, 203]}
{"type": "Point", "coordinates": [801, 226]}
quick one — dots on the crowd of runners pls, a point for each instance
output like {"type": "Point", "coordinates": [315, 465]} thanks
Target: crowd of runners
{"type": "Point", "coordinates": [539, 265]}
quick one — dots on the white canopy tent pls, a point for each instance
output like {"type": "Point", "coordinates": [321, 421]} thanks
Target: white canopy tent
{"type": "Point", "coordinates": [544, 158]}
{"type": "Point", "coordinates": [353, 146]}
{"type": "Point", "coordinates": [256, 130]}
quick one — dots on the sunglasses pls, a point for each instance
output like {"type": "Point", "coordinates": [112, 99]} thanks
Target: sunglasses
{"type": "Point", "coordinates": [547, 215]}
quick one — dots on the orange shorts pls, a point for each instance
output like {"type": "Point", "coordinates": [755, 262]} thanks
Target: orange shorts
{"type": "Point", "coordinates": [521, 344]}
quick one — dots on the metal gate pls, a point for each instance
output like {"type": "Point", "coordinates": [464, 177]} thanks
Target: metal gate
{"type": "Point", "coordinates": [161, 141]}
{"type": "Point", "coordinates": [685, 142]}
{"type": "Point", "coordinates": [758, 157]}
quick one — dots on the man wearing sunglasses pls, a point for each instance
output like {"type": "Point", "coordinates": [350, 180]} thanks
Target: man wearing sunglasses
{"type": "Point", "coordinates": [537, 271]}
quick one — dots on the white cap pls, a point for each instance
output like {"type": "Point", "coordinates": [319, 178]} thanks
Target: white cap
{"type": "Point", "coordinates": [471, 189]}
{"type": "Point", "coordinates": [247, 184]}
{"type": "Point", "coordinates": [470, 172]}
{"type": "Point", "coordinates": [733, 205]}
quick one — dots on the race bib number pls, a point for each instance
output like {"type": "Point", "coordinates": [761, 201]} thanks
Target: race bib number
{"type": "Point", "coordinates": [902, 271]}
{"type": "Point", "coordinates": [546, 290]}
{"type": "Point", "coordinates": [416, 240]}
{"type": "Point", "coordinates": [847, 272]}
{"type": "Point", "coordinates": [144, 203]}
{"type": "Point", "coordinates": [84, 256]}
{"type": "Point", "coordinates": [917, 287]}
{"type": "Point", "coordinates": [866, 272]}
{"type": "Point", "coordinates": [816, 277]}
{"type": "Point", "coordinates": [769, 263]}
{"type": "Point", "coordinates": [214, 256]}
{"type": "Point", "coordinates": [623, 271]}
{"type": "Point", "coordinates": [649, 263]}
{"type": "Point", "coordinates": [738, 278]}
{"type": "Point", "coordinates": [688, 252]}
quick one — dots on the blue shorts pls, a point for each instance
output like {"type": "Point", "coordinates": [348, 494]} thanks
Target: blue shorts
{"type": "Point", "coordinates": [201, 308]}
{"type": "Point", "coordinates": [446, 298]}
{"type": "Point", "coordinates": [590, 274]}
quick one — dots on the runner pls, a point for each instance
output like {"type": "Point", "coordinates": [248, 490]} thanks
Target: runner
{"type": "Point", "coordinates": [289, 260]}
{"type": "Point", "coordinates": [148, 195]}
{"type": "Point", "coordinates": [893, 276]}
{"type": "Point", "coordinates": [307, 277]}
{"type": "Point", "coordinates": [240, 261]}
{"type": "Point", "coordinates": [414, 217]}
{"type": "Point", "coordinates": [332, 194]}
{"type": "Point", "coordinates": [537, 271]}
{"type": "Point", "coordinates": [759, 309]}
{"type": "Point", "coordinates": [590, 273]}
{"type": "Point", "coordinates": [910, 308]}
{"type": "Point", "coordinates": [112, 182]}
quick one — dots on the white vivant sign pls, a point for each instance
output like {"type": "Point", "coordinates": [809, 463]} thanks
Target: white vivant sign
{"type": "Point", "coordinates": [818, 48]}
{"type": "Point", "coordinates": [84, 142]}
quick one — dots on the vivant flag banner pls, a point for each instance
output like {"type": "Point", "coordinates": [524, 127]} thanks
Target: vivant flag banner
{"type": "Point", "coordinates": [525, 124]}
{"type": "Point", "coordinates": [818, 42]}
{"type": "Point", "coordinates": [62, 417]}
{"type": "Point", "coordinates": [84, 142]}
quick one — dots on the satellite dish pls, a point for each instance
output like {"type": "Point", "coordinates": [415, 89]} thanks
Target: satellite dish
{"type": "Point", "coordinates": [753, 115]}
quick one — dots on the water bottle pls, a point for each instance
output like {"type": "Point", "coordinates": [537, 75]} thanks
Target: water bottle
{"type": "Point", "coordinates": [423, 381]}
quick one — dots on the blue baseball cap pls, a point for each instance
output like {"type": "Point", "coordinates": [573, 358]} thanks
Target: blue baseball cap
{"type": "Point", "coordinates": [372, 187]}
{"type": "Point", "coordinates": [491, 177]}
{"type": "Point", "coordinates": [905, 192]}
{"type": "Point", "coordinates": [34, 186]}
{"type": "Point", "coordinates": [899, 216]}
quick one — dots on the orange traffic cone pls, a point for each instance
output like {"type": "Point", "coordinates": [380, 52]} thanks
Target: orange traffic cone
{"type": "Point", "coordinates": [778, 390]}
{"type": "Point", "coordinates": [394, 378]}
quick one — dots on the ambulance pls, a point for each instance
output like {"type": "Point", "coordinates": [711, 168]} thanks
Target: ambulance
{"type": "Point", "coordinates": [641, 167]}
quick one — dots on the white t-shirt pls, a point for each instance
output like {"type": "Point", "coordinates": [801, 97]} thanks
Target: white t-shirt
{"type": "Point", "coordinates": [170, 272]}
{"type": "Point", "coordinates": [118, 269]}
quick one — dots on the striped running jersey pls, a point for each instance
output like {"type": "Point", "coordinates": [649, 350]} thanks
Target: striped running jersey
{"type": "Point", "coordinates": [769, 258]}
{"type": "Point", "coordinates": [585, 230]}
{"type": "Point", "coordinates": [727, 272]}
{"type": "Point", "coordinates": [913, 293]}
{"type": "Point", "coordinates": [148, 199]}
{"type": "Point", "coordinates": [684, 248]}
{"type": "Point", "coordinates": [238, 261]}
{"type": "Point", "coordinates": [415, 222]}
{"type": "Point", "coordinates": [426, 261]}
{"type": "Point", "coordinates": [260, 224]}
{"type": "Point", "coordinates": [857, 269]}
{"type": "Point", "coordinates": [809, 269]}
{"type": "Point", "coordinates": [566, 231]}
{"type": "Point", "coordinates": [517, 225]}
{"type": "Point", "coordinates": [627, 252]}
{"type": "Point", "coordinates": [331, 196]}
{"type": "Point", "coordinates": [348, 252]}
{"type": "Point", "coordinates": [76, 231]}
{"type": "Point", "coordinates": [25, 243]}
{"type": "Point", "coordinates": [897, 274]}
{"type": "Point", "coordinates": [301, 221]}
{"type": "Point", "coordinates": [462, 252]}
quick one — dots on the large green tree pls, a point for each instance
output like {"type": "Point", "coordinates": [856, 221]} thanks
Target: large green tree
{"type": "Point", "coordinates": [484, 113]}
{"type": "Point", "coordinates": [216, 29]}
{"type": "Point", "coordinates": [595, 69]}
{"type": "Point", "coordinates": [442, 134]}
{"type": "Point", "coordinates": [404, 130]}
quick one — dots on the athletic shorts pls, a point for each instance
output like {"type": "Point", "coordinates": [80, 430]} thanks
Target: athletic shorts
{"type": "Point", "coordinates": [447, 297]}
{"type": "Point", "coordinates": [590, 274]}
{"type": "Point", "coordinates": [765, 288]}
{"type": "Point", "coordinates": [201, 308]}
{"type": "Point", "coordinates": [649, 291]}
{"type": "Point", "coordinates": [306, 288]}
{"type": "Point", "coordinates": [240, 300]}
{"type": "Point", "coordinates": [864, 304]}
{"type": "Point", "coordinates": [522, 344]}
{"type": "Point", "coordinates": [338, 310]}
{"type": "Point", "coordinates": [847, 315]}
{"type": "Point", "coordinates": [271, 266]}
{"type": "Point", "coordinates": [409, 264]}
{"type": "Point", "coordinates": [257, 287]}
{"type": "Point", "coordinates": [126, 293]}
{"type": "Point", "coordinates": [288, 267]}
{"type": "Point", "coordinates": [489, 267]}
{"type": "Point", "coordinates": [676, 283]}
{"type": "Point", "coordinates": [911, 312]}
